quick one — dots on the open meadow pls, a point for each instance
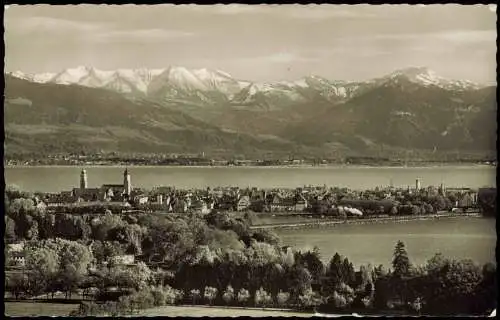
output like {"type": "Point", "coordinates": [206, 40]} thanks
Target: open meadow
{"type": "Point", "coordinates": [28, 308]}
{"type": "Point", "coordinates": [203, 311]}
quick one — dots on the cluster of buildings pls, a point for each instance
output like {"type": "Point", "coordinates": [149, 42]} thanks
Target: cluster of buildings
{"type": "Point", "coordinates": [168, 199]}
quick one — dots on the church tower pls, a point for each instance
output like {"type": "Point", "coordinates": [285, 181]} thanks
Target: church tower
{"type": "Point", "coordinates": [127, 184]}
{"type": "Point", "coordinates": [83, 180]}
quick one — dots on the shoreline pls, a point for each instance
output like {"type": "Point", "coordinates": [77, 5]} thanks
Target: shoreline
{"type": "Point", "coordinates": [305, 166]}
{"type": "Point", "coordinates": [330, 223]}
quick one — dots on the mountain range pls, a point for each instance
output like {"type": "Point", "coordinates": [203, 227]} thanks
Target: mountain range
{"type": "Point", "coordinates": [181, 110]}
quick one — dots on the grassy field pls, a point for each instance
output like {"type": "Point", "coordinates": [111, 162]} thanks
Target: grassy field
{"type": "Point", "coordinates": [38, 309]}
{"type": "Point", "coordinates": [200, 311]}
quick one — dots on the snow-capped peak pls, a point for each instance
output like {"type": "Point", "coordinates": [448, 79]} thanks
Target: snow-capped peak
{"type": "Point", "coordinates": [38, 77]}
{"type": "Point", "coordinates": [176, 81]}
{"type": "Point", "coordinates": [427, 77]}
{"type": "Point", "coordinates": [72, 75]}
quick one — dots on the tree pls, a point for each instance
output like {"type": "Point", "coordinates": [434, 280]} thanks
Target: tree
{"type": "Point", "coordinates": [337, 301]}
{"type": "Point", "coordinates": [102, 226]}
{"type": "Point", "coordinates": [312, 261]}
{"type": "Point", "coordinates": [17, 284]}
{"type": "Point", "coordinates": [228, 295]}
{"type": "Point", "coordinates": [76, 255]}
{"type": "Point", "coordinates": [310, 299]}
{"type": "Point", "coordinates": [10, 229]}
{"type": "Point", "coordinates": [288, 259]}
{"type": "Point", "coordinates": [416, 305]}
{"type": "Point", "coordinates": [485, 296]}
{"type": "Point", "coordinates": [46, 224]}
{"type": "Point", "coordinates": [349, 275]}
{"type": "Point", "coordinates": [282, 298]}
{"type": "Point", "coordinates": [210, 294]}
{"type": "Point", "coordinates": [415, 210]}
{"type": "Point", "coordinates": [451, 286]}
{"type": "Point", "coordinates": [44, 264]}
{"type": "Point", "coordinates": [243, 296]}
{"type": "Point", "coordinates": [195, 294]}
{"type": "Point", "coordinates": [32, 233]}
{"type": "Point", "coordinates": [266, 236]}
{"type": "Point", "coordinates": [342, 297]}
{"type": "Point", "coordinates": [334, 275]}
{"type": "Point", "coordinates": [298, 281]}
{"type": "Point", "coordinates": [400, 262]}
{"type": "Point", "coordinates": [379, 271]}
{"type": "Point", "coordinates": [429, 209]}
{"type": "Point", "coordinates": [393, 211]}
{"type": "Point", "coordinates": [69, 279]}
{"type": "Point", "coordinates": [262, 298]}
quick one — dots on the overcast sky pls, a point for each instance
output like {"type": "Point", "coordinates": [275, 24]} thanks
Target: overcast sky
{"type": "Point", "coordinates": [258, 42]}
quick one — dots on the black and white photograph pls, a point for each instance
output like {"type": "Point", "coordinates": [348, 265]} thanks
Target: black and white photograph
{"type": "Point", "coordinates": [239, 160]}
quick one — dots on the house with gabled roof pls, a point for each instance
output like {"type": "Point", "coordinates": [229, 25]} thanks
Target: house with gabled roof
{"type": "Point", "coordinates": [301, 203]}
{"type": "Point", "coordinates": [280, 203]}
{"type": "Point", "coordinates": [243, 203]}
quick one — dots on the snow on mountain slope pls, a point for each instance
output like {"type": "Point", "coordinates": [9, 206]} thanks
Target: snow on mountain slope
{"type": "Point", "coordinates": [215, 87]}
{"type": "Point", "coordinates": [39, 77]}
{"type": "Point", "coordinates": [71, 75]}
{"type": "Point", "coordinates": [199, 85]}
{"type": "Point", "coordinates": [122, 80]}
{"type": "Point", "coordinates": [426, 77]}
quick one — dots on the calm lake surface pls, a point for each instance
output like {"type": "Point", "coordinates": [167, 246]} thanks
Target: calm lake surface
{"type": "Point", "coordinates": [58, 178]}
{"type": "Point", "coordinates": [458, 238]}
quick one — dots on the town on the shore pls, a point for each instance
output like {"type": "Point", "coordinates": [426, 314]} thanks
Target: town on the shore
{"type": "Point", "coordinates": [117, 249]}
{"type": "Point", "coordinates": [306, 200]}
{"type": "Point", "coordinates": [202, 159]}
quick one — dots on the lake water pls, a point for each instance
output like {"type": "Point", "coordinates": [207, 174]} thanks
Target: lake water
{"type": "Point", "coordinates": [458, 238]}
{"type": "Point", "coordinates": [58, 178]}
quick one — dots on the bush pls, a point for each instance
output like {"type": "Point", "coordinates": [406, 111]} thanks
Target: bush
{"type": "Point", "coordinates": [228, 295]}
{"type": "Point", "coordinates": [109, 308]}
{"type": "Point", "coordinates": [338, 301]}
{"type": "Point", "coordinates": [159, 296]}
{"type": "Point", "coordinates": [194, 294]}
{"type": "Point", "coordinates": [165, 295]}
{"type": "Point", "coordinates": [210, 294]}
{"type": "Point", "coordinates": [179, 296]}
{"type": "Point", "coordinates": [282, 298]}
{"type": "Point", "coordinates": [243, 296]}
{"type": "Point", "coordinates": [124, 304]}
{"type": "Point", "coordinates": [143, 299]}
{"type": "Point", "coordinates": [262, 298]}
{"type": "Point", "coordinates": [310, 299]}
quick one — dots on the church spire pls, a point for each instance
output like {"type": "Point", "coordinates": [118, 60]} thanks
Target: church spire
{"type": "Point", "coordinates": [127, 184]}
{"type": "Point", "coordinates": [83, 179]}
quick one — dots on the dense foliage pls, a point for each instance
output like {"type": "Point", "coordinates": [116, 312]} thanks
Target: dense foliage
{"type": "Point", "coordinates": [217, 259]}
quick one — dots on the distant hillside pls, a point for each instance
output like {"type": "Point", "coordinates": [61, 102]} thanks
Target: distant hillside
{"type": "Point", "coordinates": [401, 113]}
{"type": "Point", "coordinates": [176, 110]}
{"type": "Point", "coordinates": [56, 118]}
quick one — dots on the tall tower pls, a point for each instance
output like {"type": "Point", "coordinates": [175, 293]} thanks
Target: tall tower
{"type": "Point", "coordinates": [442, 189]}
{"type": "Point", "coordinates": [127, 184]}
{"type": "Point", "coordinates": [83, 179]}
{"type": "Point", "coordinates": [417, 184]}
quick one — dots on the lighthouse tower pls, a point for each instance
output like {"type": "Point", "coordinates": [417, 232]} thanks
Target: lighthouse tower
{"type": "Point", "coordinates": [127, 184]}
{"type": "Point", "coordinates": [83, 180]}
